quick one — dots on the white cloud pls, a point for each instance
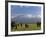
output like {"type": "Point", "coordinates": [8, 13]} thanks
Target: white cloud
{"type": "Point", "coordinates": [33, 16]}
{"type": "Point", "coordinates": [39, 16]}
{"type": "Point", "coordinates": [27, 15]}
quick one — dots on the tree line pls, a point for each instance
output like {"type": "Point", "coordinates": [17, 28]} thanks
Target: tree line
{"type": "Point", "coordinates": [13, 24]}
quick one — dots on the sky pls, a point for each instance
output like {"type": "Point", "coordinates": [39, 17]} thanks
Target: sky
{"type": "Point", "coordinates": [26, 11]}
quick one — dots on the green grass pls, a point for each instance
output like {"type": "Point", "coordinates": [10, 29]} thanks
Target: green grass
{"type": "Point", "coordinates": [23, 28]}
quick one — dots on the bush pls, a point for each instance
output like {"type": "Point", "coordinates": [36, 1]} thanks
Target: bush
{"type": "Point", "coordinates": [26, 25]}
{"type": "Point", "coordinates": [12, 24]}
{"type": "Point", "coordinates": [38, 24]}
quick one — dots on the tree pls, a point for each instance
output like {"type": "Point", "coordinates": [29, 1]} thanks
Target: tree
{"type": "Point", "coordinates": [12, 24]}
{"type": "Point", "coordinates": [38, 24]}
{"type": "Point", "coordinates": [26, 26]}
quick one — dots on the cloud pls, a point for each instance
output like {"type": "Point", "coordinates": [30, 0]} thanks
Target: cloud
{"type": "Point", "coordinates": [27, 15]}
{"type": "Point", "coordinates": [39, 16]}
{"type": "Point", "coordinates": [34, 16]}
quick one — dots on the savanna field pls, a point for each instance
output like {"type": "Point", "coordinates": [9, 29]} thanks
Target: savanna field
{"type": "Point", "coordinates": [25, 27]}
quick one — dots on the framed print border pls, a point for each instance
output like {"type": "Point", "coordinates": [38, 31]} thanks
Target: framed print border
{"type": "Point", "coordinates": [6, 18]}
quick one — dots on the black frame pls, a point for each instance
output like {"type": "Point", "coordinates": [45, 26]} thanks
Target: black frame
{"type": "Point", "coordinates": [6, 18]}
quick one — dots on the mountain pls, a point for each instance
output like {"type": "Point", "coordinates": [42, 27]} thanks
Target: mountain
{"type": "Point", "coordinates": [22, 19]}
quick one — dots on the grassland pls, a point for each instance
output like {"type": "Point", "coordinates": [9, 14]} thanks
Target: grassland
{"type": "Point", "coordinates": [25, 27]}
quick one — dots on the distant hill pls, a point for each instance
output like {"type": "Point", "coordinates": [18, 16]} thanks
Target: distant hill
{"type": "Point", "coordinates": [21, 19]}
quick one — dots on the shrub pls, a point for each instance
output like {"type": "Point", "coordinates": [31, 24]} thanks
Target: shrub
{"type": "Point", "coordinates": [38, 24]}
